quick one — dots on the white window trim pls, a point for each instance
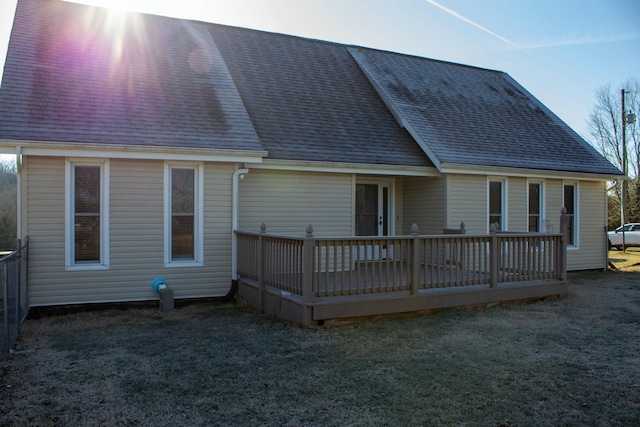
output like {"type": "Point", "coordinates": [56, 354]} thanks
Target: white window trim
{"type": "Point", "coordinates": [104, 263]}
{"type": "Point", "coordinates": [542, 205]}
{"type": "Point", "coordinates": [198, 260]}
{"type": "Point", "coordinates": [505, 202]}
{"type": "Point", "coordinates": [576, 214]}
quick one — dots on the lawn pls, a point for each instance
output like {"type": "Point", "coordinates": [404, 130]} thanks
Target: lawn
{"type": "Point", "coordinates": [568, 362]}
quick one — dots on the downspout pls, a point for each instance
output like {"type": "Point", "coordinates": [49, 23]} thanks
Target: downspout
{"type": "Point", "coordinates": [19, 192]}
{"type": "Point", "coordinates": [237, 176]}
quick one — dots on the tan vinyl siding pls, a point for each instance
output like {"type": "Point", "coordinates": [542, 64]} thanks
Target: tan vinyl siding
{"type": "Point", "coordinates": [517, 204]}
{"type": "Point", "coordinates": [288, 201]}
{"type": "Point", "coordinates": [136, 232]}
{"type": "Point", "coordinates": [592, 219]}
{"type": "Point", "coordinates": [398, 207]}
{"type": "Point", "coordinates": [592, 216]}
{"type": "Point", "coordinates": [45, 225]}
{"type": "Point", "coordinates": [467, 202]}
{"type": "Point", "coordinates": [553, 204]}
{"type": "Point", "coordinates": [424, 204]}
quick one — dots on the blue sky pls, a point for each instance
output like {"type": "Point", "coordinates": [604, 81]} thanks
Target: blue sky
{"type": "Point", "coordinates": [559, 50]}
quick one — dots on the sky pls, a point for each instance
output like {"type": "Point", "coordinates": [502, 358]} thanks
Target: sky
{"type": "Point", "coordinates": [561, 51]}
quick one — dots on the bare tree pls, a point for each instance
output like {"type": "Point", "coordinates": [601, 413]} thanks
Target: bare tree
{"type": "Point", "coordinates": [605, 125]}
{"type": "Point", "coordinates": [8, 183]}
{"type": "Point", "coordinates": [605, 128]}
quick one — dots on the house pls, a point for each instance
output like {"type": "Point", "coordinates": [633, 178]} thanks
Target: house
{"type": "Point", "coordinates": [142, 146]}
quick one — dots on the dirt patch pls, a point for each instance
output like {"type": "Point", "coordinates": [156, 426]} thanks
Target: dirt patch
{"type": "Point", "coordinates": [573, 361]}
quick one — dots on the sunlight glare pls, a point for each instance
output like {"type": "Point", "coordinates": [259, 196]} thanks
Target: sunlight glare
{"type": "Point", "coordinates": [114, 22]}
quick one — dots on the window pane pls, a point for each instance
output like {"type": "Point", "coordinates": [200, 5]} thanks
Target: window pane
{"type": "Point", "coordinates": [87, 214]}
{"type": "Point", "coordinates": [87, 189]}
{"type": "Point", "coordinates": [569, 199]}
{"type": "Point", "coordinates": [182, 190]}
{"type": "Point", "coordinates": [569, 204]}
{"type": "Point", "coordinates": [495, 203]}
{"type": "Point", "coordinates": [182, 214]}
{"type": "Point", "coordinates": [495, 198]}
{"type": "Point", "coordinates": [366, 210]}
{"type": "Point", "coordinates": [182, 237]}
{"type": "Point", "coordinates": [534, 208]}
{"type": "Point", "coordinates": [87, 239]}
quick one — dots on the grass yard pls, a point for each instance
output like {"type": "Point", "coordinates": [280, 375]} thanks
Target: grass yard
{"type": "Point", "coordinates": [629, 260]}
{"type": "Point", "coordinates": [568, 362]}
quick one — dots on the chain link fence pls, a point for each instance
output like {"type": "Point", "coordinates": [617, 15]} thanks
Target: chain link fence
{"type": "Point", "coordinates": [14, 303]}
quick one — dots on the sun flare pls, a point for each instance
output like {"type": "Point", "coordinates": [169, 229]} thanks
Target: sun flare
{"type": "Point", "coordinates": [113, 23]}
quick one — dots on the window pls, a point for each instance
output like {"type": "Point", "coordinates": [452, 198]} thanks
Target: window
{"type": "Point", "coordinates": [496, 204]}
{"type": "Point", "coordinates": [87, 208]}
{"type": "Point", "coordinates": [570, 200]}
{"type": "Point", "coordinates": [535, 207]}
{"type": "Point", "coordinates": [183, 215]}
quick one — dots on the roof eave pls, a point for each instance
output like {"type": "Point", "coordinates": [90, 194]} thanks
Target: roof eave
{"type": "Point", "coordinates": [453, 168]}
{"type": "Point", "coordinates": [340, 167]}
{"type": "Point", "coordinates": [122, 151]}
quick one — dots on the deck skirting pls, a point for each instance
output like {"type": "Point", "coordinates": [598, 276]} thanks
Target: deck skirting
{"type": "Point", "coordinates": [291, 307]}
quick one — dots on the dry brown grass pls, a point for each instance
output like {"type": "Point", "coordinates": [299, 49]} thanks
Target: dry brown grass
{"type": "Point", "coordinates": [573, 361]}
{"type": "Point", "coordinates": [628, 260]}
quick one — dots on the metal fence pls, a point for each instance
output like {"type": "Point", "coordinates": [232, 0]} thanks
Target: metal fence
{"type": "Point", "coordinates": [14, 303]}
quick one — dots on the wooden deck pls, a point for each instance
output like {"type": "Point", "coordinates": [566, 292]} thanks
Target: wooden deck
{"type": "Point", "coordinates": [309, 279]}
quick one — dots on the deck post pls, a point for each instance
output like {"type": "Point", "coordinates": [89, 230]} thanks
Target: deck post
{"type": "Point", "coordinates": [562, 250]}
{"type": "Point", "coordinates": [307, 276]}
{"type": "Point", "coordinates": [494, 257]}
{"type": "Point", "coordinates": [415, 261]}
{"type": "Point", "coordinates": [261, 260]}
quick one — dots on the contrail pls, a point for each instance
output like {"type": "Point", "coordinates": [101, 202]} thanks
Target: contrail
{"type": "Point", "coordinates": [584, 41]}
{"type": "Point", "coordinates": [469, 21]}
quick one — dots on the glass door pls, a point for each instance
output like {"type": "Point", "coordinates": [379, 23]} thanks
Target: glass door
{"type": "Point", "coordinates": [372, 215]}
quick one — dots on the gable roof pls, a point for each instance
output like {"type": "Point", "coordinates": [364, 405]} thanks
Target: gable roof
{"type": "Point", "coordinates": [183, 84]}
{"type": "Point", "coordinates": [463, 115]}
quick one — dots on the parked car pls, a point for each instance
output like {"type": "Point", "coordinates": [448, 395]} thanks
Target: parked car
{"type": "Point", "coordinates": [631, 236]}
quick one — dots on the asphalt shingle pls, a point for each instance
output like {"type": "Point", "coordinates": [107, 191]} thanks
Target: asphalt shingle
{"type": "Point", "coordinates": [477, 117]}
{"type": "Point", "coordinates": [158, 81]}
{"type": "Point", "coordinates": [309, 100]}
{"type": "Point", "coordinates": [174, 83]}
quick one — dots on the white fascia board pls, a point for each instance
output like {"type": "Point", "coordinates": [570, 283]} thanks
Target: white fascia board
{"type": "Point", "coordinates": [130, 152]}
{"type": "Point", "coordinates": [359, 168]}
{"type": "Point", "coordinates": [525, 173]}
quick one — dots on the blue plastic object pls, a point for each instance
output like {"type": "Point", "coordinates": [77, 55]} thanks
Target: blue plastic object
{"type": "Point", "coordinates": [158, 283]}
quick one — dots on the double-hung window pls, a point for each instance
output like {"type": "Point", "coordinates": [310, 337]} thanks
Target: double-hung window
{"type": "Point", "coordinates": [497, 214]}
{"type": "Point", "coordinates": [183, 214]}
{"type": "Point", "coordinates": [570, 202]}
{"type": "Point", "coordinates": [87, 214]}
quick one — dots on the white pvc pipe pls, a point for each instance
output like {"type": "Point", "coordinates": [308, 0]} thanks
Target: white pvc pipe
{"type": "Point", "coordinates": [234, 220]}
{"type": "Point", "coordinates": [19, 192]}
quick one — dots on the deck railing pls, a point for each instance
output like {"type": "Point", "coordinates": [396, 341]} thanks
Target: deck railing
{"type": "Point", "coordinates": [315, 267]}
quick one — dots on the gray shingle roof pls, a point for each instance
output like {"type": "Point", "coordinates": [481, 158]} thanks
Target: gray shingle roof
{"type": "Point", "coordinates": [162, 84]}
{"type": "Point", "coordinates": [177, 83]}
{"type": "Point", "coordinates": [471, 116]}
{"type": "Point", "coordinates": [309, 100]}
